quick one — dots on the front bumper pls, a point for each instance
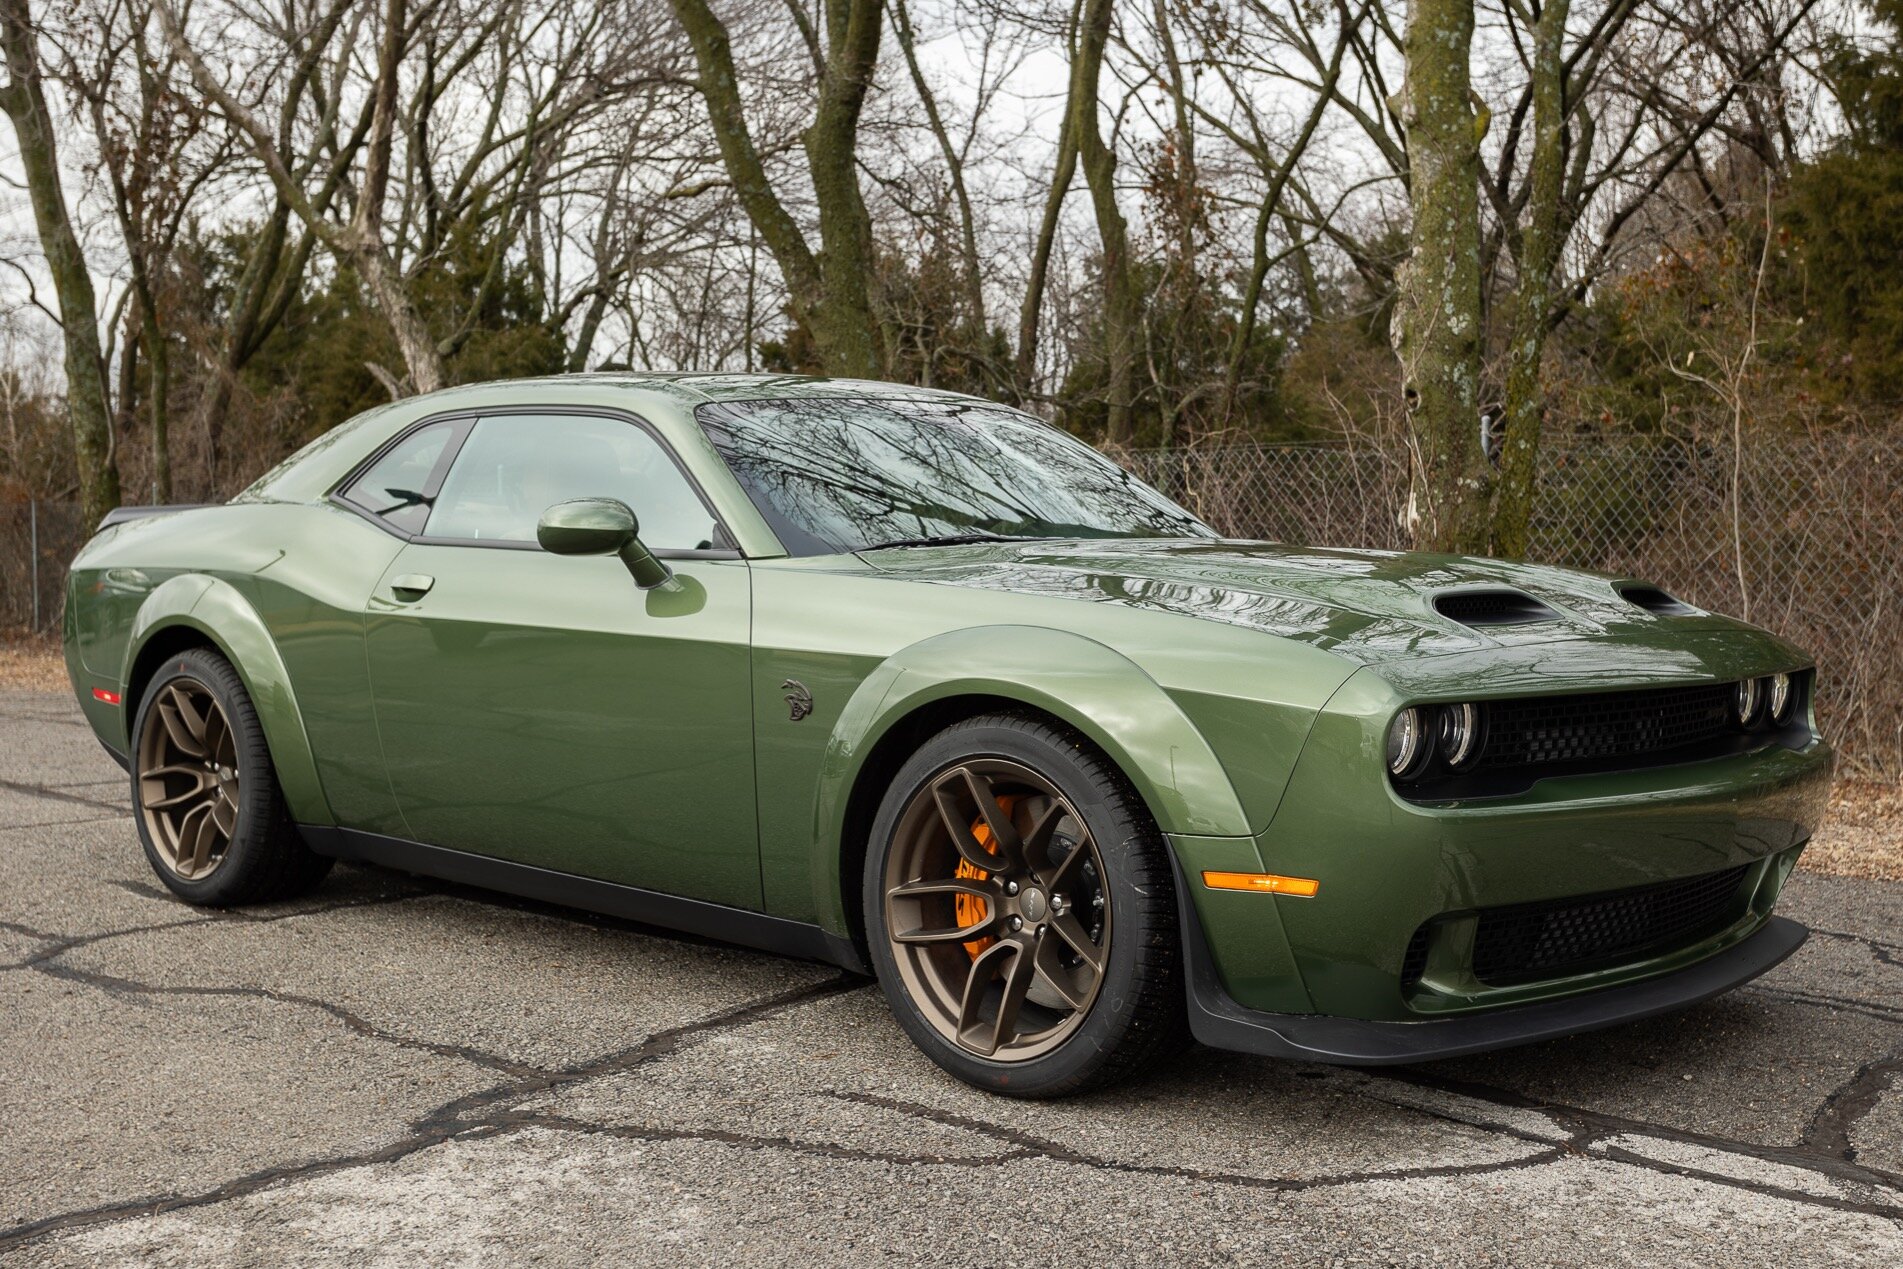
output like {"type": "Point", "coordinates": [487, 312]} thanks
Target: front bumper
{"type": "Point", "coordinates": [1389, 939]}
{"type": "Point", "coordinates": [1218, 1021]}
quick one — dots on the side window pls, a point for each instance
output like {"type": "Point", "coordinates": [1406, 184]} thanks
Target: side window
{"type": "Point", "coordinates": [514, 467]}
{"type": "Point", "coordinates": [397, 488]}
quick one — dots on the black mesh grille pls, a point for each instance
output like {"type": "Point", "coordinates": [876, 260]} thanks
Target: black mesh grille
{"type": "Point", "coordinates": [1532, 941]}
{"type": "Point", "coordinates": [1561, 729]}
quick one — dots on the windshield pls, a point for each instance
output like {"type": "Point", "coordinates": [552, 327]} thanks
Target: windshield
{"type": "Point", "coordinates": [843, 475]}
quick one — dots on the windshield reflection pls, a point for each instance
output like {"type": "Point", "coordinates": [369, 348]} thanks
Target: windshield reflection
{"type": "Point", "coordinates": [848, 475]}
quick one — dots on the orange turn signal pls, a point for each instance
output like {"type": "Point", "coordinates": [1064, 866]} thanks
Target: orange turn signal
{"type": "Point", "coordinates": [1267, 882]}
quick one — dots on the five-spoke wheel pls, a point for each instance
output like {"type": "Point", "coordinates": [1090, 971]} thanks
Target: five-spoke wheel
{"type": "Point", "coordinates": [188, 778]}
{"type": "Point", "coordinates": [996, 909]}
{"type": "Point", "coordinates": [211, 816]}
{"type": "Point", "coordinates": [1020, 910]}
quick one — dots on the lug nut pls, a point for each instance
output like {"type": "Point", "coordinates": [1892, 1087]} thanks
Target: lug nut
{"type": "Point", "coordinates": [1010, 887]}
{"type": "Point", "coordinates": [1017, 923]}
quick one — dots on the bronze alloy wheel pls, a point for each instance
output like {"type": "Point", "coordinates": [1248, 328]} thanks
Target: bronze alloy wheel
{"type": "Point", "coordinates": [188, 779]}
{"type": "Point", "coordinates": [996, 909]}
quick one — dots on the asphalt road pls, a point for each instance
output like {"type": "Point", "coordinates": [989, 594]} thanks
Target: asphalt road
{"type": "Point", "coordinates": [392, 1071]}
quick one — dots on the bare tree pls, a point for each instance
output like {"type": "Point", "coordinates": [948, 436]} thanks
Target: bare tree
{"type": "Point", "coordinates": [23, 97]}
{"type": "Point", "coordinates": [828, 288]}
{"type": "Point", "coordinates": [1437, 324]}
{"type": "Point", "coordinates": [1540, 243]}
{"type": "Point", "coordinates": [1122, 308]}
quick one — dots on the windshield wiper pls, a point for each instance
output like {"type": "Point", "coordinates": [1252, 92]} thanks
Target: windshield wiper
{"type": "Point", "coordinates": [945, 539]}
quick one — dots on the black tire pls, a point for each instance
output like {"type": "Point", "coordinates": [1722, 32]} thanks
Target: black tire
{"type": "Point", "coordinates": [264, 859]}
{"type": "Point", "coordinates": [1137, 1014]}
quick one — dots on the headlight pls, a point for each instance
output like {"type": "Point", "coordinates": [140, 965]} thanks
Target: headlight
{"type": "Point", "coordinates": [1748, 705]}
{"type": "Point", "coordinates": [1783, 698]}
{"type": "Point", "coordinates": [1408, 744]}
{"type": "Point", "coordinates": [1459, 734]}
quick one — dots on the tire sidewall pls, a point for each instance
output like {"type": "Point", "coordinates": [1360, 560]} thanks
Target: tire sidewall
{"type": "Point", "coordinates": [1116, 837]}
{"type": "Point", "coordinates": [257, 783]}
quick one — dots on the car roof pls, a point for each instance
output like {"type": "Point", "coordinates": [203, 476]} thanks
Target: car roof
{"type": "Point", "coordinates": [701, 387]}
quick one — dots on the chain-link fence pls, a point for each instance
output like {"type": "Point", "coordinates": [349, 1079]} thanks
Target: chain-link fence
{"type": "Point", "coordinates": [1814, 551]}
{"type": "Point", "coordinates": [1802, 535]}
{"type": "Point", "coordinates": [37, 540]}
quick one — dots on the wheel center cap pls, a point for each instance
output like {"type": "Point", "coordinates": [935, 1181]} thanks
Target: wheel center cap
{"type": "Point", "coordinates": [1033, 904]}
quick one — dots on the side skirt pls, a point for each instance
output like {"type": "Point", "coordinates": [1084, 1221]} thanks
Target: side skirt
{"type": "Point", "coordinates": [650, 907]}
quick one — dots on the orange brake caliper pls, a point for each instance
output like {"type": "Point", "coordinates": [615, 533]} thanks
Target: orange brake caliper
{"type": "Point", "coordinates": [969, 909]}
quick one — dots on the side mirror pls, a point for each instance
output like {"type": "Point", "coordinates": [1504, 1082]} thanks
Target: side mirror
{"type": "Point", "coordinates": [601, 526]}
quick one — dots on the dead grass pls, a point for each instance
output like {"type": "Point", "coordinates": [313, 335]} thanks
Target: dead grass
{"type": "Point", "coordinates": [33, 662]}
{"type": "Point", "coordinates": [1862, 835]}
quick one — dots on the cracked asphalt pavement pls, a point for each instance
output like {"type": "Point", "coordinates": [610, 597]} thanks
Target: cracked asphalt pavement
{"type": "Point", "coordinates": [394, 1071]}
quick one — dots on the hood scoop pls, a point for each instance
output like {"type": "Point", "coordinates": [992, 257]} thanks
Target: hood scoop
{"type": "Point", "coordinates": [1492, 607]}
{"type": "Point", "coordinates": [1656, 601]}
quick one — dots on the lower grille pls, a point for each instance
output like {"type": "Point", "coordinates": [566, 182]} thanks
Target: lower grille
{"type": "Point", "coordinates": [1414, 960]}
{"type": "Point", "coordinates": [1531, 941]}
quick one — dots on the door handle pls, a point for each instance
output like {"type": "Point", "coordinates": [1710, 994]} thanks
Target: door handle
{"type": "Point", "coordinates": [412, 585]}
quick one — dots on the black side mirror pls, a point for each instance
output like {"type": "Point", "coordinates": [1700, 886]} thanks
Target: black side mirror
{"type": "Point", "coordinates": [601, 526]}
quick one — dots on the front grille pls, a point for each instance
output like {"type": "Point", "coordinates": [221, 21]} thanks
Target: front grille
{"type": "Point", "coordinates": [1531, 941]}
{"type": "Point", "coordinates": [1542, 730]}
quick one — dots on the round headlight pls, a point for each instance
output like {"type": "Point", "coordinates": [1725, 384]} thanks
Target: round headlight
{"type": "Point", "coordinates": [1459, 734]}
{"type": "Point", "coordinates": [1783, 698]}
{"type": "Point", "coordinates": [1408, 744]}
{"type": "Point", "coordinates": [1748, 707]}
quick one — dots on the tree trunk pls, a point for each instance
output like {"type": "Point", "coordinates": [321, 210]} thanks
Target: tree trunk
{"type": "Point", "coordinates": [363, 238]}
{"type": "Point", "coordinates": [970, 271]}
{"type": "Point", "coordinates": [159, 372]}
{"type": "Point", "coordinates": [1540, 244]}
{"type": "Point", "coordinates": [1437, 302]}
{"type": "Point", "coordinates": [1063, 172]}
{"type": "Point", "coordinates": [87, 404]}
{"type": "Point", "coordinates": [1122, 312]}
{"type": "Point", "coordinates": [829, 292]}
{"type": "Point", "coordinates": [843, 323]}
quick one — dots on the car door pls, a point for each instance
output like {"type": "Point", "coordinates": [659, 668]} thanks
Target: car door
{"type": "Point", "coordinates": [544, 709]}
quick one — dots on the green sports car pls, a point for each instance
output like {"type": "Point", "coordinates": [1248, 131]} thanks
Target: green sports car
{"type": "Point", "coordinates": [919, 685]}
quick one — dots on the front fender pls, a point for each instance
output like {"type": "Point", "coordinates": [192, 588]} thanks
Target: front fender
{"type": "Point", "coordinates": [217, 610]}
{"type": "Point", "coordinates": [1100, 692]}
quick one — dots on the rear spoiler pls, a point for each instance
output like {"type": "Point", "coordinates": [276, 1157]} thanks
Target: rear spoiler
{"type": "Point", "coordinates": [119, 515]}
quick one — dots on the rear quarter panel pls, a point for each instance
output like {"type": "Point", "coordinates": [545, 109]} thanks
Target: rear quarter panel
{"type": "Point", "coordinates": [280, 590]}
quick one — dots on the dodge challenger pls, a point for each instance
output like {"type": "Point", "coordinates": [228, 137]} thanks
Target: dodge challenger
{"type": "Point", "coordinates": [919, 685]}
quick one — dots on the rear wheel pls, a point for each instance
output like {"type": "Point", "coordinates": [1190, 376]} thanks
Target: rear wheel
{"type": "Point", "coordinates": [1021, 911]}
{"type": "Point", "coordinates": [210, 814]}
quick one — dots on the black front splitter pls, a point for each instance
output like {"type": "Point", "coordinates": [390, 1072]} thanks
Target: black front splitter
{"type": "Point", "coordinates": [1218, 1021]}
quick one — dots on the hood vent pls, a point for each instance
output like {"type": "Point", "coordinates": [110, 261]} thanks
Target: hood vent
{"type": "Point", "coordinates": [1656, 601]}
{"type": "Point", "coordinates": [1492, 608]}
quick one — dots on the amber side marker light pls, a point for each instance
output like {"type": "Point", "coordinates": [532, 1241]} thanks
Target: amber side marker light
{"type": "Point", "coordinates": [1267, 882]}
{"type": "Point", "coordinates": [101, 694]}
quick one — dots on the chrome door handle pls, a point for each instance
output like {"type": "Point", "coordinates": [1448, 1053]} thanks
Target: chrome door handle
{"type": "Point", "coordinates": [412, 585]}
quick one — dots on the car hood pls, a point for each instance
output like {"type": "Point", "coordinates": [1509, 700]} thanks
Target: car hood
{"type": "Point", "coordinates": [1369, 606]}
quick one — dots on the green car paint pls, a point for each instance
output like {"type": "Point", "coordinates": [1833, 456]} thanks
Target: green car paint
{"type": "Point", "coordinates": [724, 740]}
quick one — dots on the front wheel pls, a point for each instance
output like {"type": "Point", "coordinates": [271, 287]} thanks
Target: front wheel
{"type": "Point", "coordinates": [1021, 911]}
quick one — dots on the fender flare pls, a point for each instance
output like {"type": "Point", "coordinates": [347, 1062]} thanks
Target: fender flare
{"type": "Point", "coordinates": [216, 610]}
{"type": "Point", "coordinates": [1089, 686]}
